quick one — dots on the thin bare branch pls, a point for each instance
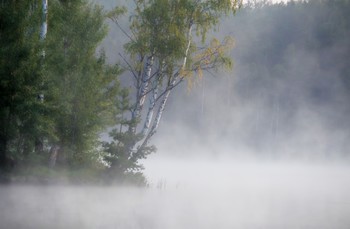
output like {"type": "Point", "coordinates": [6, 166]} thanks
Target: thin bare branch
{"type": "Point", "coordinates": [207, 70]}
{"type": "Point", "coordinates": [169, 88]}
{"type": "Point", "coordinates": [122, 29]}
{"type": "Point", "coordinates": [129, 65]}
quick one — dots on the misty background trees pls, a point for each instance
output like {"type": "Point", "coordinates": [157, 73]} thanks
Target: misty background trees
{"type": "Point", "coordinates": [287, 95]}
{"type": "Point", "coordinates": [297, 78]}
{"type": "Point", "coordinates": [290, 74]}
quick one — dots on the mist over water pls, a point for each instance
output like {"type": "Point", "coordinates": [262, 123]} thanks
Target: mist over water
{"type": "Point", "coordinates": [192, 194]}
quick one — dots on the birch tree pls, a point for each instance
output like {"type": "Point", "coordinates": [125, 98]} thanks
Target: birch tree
{"type": "Point", "coordinates": [167, 46]}
{"type": "Point", "coordinates": [43, 30]}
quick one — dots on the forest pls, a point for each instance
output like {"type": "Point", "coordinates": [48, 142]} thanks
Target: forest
{"type": "Point", "coordinates": [61, 95]}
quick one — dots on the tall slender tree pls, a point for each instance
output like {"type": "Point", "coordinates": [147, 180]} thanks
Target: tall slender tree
{"type": "Point", "coordinates": [43, 31]}
{"type": "Point", "coordinates": [82, 88]}
{"type": "Point", "coordinates": [162, 53]}
{"type": "Point", "coordinates": [20, 80]}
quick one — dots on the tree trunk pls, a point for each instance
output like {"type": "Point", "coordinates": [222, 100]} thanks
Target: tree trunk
{"type": "Point", "coordinates": [189, 37]}
{"type": "Point", "coordinates": [3, 149]}
{"type": "Point", "coordinates": [142, 92]}
{"type": "Point", "coordinates": [165, 98]}
{"type": "Point", "coordinates": [44, 19]}
{"type": "Point", "coordinates": [5, 138]}
{"type": "Point", "coordinates": [150, 112]}
{"type": "Point", "coordinates": [156, 120]}
{"type": "Point", "coordinates": [152, 101]}
{"type": "Point", "coordinates": [53, 155]}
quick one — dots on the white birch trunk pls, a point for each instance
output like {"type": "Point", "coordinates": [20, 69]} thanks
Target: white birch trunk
{"type": "Point", "coordinates": [189, 37]}
{"type": "Point", "coordinates": [166, 95]}
{"type": "Point", "coordinates": [141, 91]}
{"type": "Point", "coordinates": [156, 120]}
{"type": "Point", "coordinates": [160, 113]}
{"type": "Point", "coordinates": [43, 31]}
{"type": "Point", "coordinates": [150, 112]}
{"type": "Point", "coordinates": [145, 80]}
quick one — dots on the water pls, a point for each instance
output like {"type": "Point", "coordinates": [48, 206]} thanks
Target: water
{"type": "Point", "coordinates": [192, 194]}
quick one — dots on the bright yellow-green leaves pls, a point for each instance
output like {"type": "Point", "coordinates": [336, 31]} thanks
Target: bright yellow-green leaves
{"type": "Point", "coordinates": [163, 29]}
{"type": "Point", "coordinates": [215, 56]}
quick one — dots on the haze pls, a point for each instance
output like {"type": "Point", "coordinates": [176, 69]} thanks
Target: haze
{"type": "Point", "coordinates": [263, 146]}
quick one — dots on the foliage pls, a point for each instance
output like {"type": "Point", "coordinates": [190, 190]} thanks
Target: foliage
{"type": "Point", "coordinates": [21, 77]}
{"type": "Point", "coordinates": [161, 53]}
{"type": "Point", "coordinates": [82, 87]}
{"type": "Point", "coordinates": [80, 91]}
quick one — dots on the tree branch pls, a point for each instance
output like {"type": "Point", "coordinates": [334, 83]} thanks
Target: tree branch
{"type": "Point", "coordinates": [121, 29]}
{"type": "Point", "coordinates": [129, 65]}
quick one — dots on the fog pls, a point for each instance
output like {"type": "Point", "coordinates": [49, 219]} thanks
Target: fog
{"type": "Point", "coordinates": [200, 194]}
{"type": "Point", "coordinates": [284, 98]}
{"type": "Point", "coordinates": [263, 146]}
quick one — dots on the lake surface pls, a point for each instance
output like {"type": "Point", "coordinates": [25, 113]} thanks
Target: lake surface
{"type": "Point", "coordinates": [192, 195]}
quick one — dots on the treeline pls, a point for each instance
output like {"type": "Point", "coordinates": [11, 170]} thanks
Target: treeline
{"type": "Point", "coordinates": [270, 35]}
{"type": "Point", "coordinates": [289, 91]}
{"type": "Point", "coordinates": [56, 95]}
{"type": "Point", "coordinates": [294, 67]}
{"type": "Point", "coordinates": [293, 63]}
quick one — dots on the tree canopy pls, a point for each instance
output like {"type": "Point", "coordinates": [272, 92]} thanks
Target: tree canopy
{"type": "Point", "coordinates": [167, 44]}
{"type": "Point", "coordinates": [54, 107]}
